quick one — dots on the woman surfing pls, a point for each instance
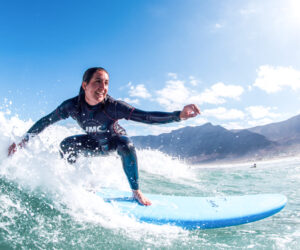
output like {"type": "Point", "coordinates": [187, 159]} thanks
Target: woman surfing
{"type": "Point", "coordinates": [97, 114]}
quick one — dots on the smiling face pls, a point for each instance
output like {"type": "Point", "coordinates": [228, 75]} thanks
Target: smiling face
{"type": "Point", "coordinates": [96, 89]}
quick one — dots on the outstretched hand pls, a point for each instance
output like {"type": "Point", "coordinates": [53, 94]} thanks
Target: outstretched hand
{"type": "Point", "coordinates": [13, 147]}
{"type": "Point", "coordinates": [189, 111]}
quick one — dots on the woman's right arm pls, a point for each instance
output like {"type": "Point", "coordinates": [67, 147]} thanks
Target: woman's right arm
{"type": "Point", "coordinates": [44, 122]}
{"type": "Point", "coordinates": [58, 114]}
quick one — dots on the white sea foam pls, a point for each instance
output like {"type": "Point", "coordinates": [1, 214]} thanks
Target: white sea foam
{"type": "Point", "coordinates": [70, 187]}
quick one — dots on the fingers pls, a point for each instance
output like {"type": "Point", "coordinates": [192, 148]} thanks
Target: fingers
{"type": "Point", "coordinates": [195, 108]}
{"type": "Point", "coordinates": [193, 114]}
{"type": "Point", "coordinates": [12, 149]}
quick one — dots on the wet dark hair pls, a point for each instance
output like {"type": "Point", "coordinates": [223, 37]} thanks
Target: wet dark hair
{"type": "Point", "coordinates": [87, 76]}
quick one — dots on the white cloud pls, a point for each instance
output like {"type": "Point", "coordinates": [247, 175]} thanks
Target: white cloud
{"type": "Point", "coordinates": [199, 120]}
{"type": "Point", "coordinates": [261, 112]}
{"type": "Point", "coordinates": [173, 95]}
{"type": "Point", "coordinates": [138, 91]}
{"type": "Point", "coordinates": [131, 101]}
{"type": "Point", "coordinates": [176, 94]}
{"type": "Point", "coordinates": [273, 79]}
{"type": "Point", "coordinates": [217, 93]}
{"type": "Point", "coordinates": [218, 26]}
{"type": "Point", "coordinates": [260, 122]}
{"type": "Point", "coordinates": [222, 113]}
{"type": "Point", "coordinates": [193, 81]}
{"type": "Point", "coordinates": [173, 75]}
{"type": "Point", "coordinates": [232, 125]}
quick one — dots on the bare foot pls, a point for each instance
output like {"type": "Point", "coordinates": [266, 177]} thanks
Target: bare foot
{"type": "Point", "coordinates": [143, 200]}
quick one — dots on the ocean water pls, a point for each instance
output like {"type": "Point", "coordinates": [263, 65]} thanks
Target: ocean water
{"type": "Point", "coordinates": [46, 203]}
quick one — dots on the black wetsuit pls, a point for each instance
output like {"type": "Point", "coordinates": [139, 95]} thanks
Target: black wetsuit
{"type": "Point", "coordinates": [103, 133]}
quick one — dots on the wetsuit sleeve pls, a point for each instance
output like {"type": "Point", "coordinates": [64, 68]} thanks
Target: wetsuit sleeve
{"type": "Point", "coordinates": [154, 117]}
{"type": "Point", "coordinates": [61, 112]}
{"type": "Point", "coordinates": [128, 112]}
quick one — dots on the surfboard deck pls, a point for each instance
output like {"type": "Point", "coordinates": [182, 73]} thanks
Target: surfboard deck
{"type": "Point", "coordinates": [197, 212]}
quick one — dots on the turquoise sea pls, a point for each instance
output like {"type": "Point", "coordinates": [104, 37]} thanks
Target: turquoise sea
{"type": "Point", "coordinates": [46, 203]}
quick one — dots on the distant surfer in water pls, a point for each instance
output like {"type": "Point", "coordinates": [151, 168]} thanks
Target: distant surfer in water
{"type": "Point", "coordinates": [98, 113]}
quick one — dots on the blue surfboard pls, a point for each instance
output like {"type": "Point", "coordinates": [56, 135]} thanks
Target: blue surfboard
{"type": "Point", "coordinates": [197, 212]}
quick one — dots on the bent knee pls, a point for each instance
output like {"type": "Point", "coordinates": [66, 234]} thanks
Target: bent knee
{"type": "Point", "coordinates": [124, 144]}
{"type": "Point", "coordinates": [64, 145]}
{"type": "Point", "coordinates": [67, 145]}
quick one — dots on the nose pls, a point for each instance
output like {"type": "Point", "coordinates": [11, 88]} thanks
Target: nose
{"type": "Point", "coordinates": [101, 85]}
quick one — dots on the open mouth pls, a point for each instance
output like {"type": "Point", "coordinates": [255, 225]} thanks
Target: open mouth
{"type": "Point", "coordinates": [100, 93]}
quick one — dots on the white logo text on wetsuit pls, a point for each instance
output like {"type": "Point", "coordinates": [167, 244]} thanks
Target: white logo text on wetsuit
{"type": "Point", "coordinates": [95, 129]}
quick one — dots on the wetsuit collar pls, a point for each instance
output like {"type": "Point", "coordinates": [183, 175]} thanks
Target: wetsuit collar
{"type": "Point", "coordinates": [97, 106]}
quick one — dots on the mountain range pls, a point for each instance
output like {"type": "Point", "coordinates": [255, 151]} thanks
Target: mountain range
{"type": "Point", "coordinates": [209, 142]}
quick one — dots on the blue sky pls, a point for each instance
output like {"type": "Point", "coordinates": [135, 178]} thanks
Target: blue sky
{"type": "Point", "coordinates": [237, 60]}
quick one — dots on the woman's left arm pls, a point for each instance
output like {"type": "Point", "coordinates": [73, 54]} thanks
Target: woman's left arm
{"type": "Point", "coordinates": [155, 117]}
